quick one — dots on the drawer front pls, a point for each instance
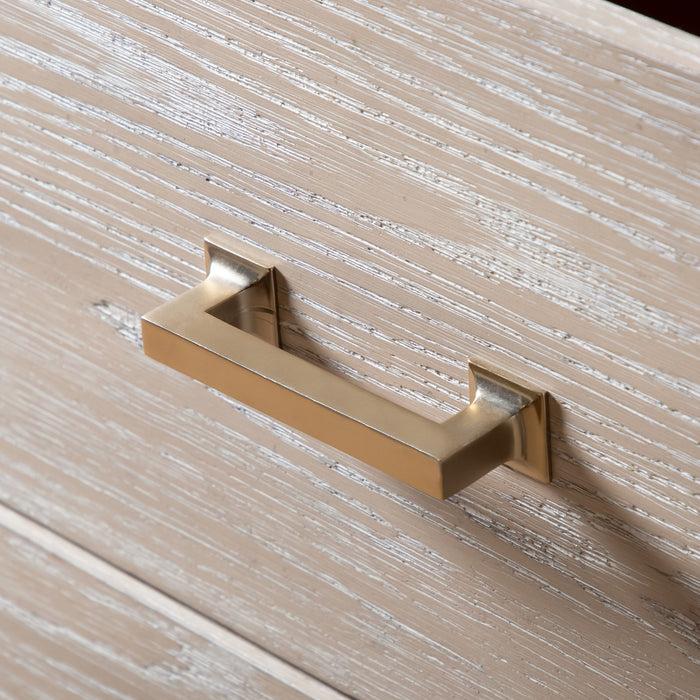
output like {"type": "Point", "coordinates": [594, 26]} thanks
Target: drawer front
{"type": "Point", "coordinates": [72, 625]}
{"type": "Point", "coordinates": [489, 186]}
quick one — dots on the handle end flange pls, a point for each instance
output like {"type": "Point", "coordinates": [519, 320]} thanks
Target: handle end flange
{"type": "Point", "coordinates": [531, 447]}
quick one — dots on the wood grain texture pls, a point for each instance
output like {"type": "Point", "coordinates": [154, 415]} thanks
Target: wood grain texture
{"type": "Point", "coordinates": [436, 183]}
{"type": "Point", "coordinates": [627, 29]}
{"type": "Point", "coordinates": [72, 626]}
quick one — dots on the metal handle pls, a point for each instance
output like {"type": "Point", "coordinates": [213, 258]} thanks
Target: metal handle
{"type": "Point", "coordinates": [224, 333]}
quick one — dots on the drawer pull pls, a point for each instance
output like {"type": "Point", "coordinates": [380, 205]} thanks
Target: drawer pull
{"type": "Point", "coordinates": [224, 333]}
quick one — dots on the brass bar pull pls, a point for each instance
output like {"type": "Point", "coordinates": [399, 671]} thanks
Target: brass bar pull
{"type": "Point", "coordinates": [224, 333]}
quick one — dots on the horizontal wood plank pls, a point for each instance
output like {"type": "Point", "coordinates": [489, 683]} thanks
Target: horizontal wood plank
{"type": "Point", "coordinates": [73, 626]}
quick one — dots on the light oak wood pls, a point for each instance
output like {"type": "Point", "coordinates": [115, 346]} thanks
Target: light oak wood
{"type": "Point", "coordinates": [71, 625]}
{"type": "Point", "coordinates": [625, 29]}
{"type": "Point", "coordinates": [437, 184]}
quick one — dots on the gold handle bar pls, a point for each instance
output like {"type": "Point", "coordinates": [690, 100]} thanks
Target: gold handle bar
{"type": "Point", "coordinates": [224, 333]}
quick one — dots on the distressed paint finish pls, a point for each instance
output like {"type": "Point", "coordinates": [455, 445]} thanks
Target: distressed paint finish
{"type": "Point", "coordinates": [436, 183]}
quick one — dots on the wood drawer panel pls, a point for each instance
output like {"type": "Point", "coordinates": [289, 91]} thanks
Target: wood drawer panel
{"type": "Point", "coordinates": [432, 191]}
{"type": "Point", "coordinates": [72, 626]}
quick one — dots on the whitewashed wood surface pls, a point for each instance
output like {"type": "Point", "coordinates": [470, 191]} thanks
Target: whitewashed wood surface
{"type": "Point", "coordinates": [437, 183]}
{"type": "Point", "coordinates": [71, 625]}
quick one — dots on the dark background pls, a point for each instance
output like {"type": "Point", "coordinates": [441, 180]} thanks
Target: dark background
{"type": "Point", "coordinates": [679, 13]}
